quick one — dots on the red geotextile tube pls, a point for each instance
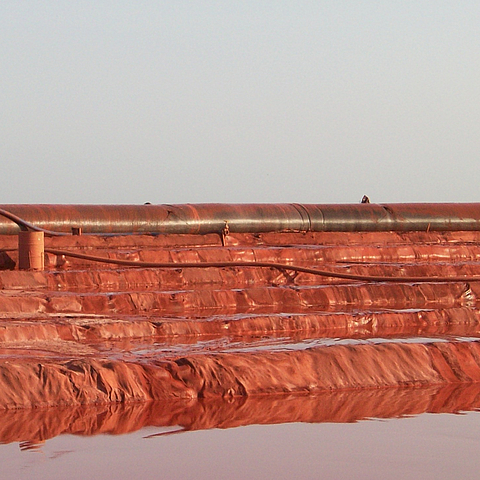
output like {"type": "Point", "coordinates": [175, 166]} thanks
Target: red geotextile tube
{"type": "Point", "coordinates": [278, 266]}
{"type": "Point", "coordinates": [243, 218]}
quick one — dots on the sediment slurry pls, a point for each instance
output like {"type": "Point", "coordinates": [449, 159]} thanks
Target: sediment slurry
{"type": "Point", "coordinates": [87, 333]}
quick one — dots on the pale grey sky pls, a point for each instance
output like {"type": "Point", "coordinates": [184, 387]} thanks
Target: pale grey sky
{"type": "Point", "coordinates": [239, 101]}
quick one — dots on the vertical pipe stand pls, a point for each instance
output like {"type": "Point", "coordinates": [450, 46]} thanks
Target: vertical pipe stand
{"type": "Point", "coordinates": [31, 250]}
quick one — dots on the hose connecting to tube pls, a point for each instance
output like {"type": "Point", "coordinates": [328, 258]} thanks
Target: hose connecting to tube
{"type": "Point", "coordinates": [278, 266]}
{"type": "Point", "coordinates": [27, 226]}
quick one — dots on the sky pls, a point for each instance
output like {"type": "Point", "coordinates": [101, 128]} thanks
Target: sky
{"type": "Point", "coordinates": [124, 102]}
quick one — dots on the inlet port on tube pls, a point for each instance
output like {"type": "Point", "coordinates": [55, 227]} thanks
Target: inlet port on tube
{"type": "Point", "coordinates": [31, 250]}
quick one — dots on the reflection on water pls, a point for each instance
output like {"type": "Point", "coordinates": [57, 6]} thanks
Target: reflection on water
{"type": "Point", "coordinates": [326, 439]}
{"type": "Point", "coordinates": [28, 445]}
{"type": "Point", "coordinates": [32, 427]}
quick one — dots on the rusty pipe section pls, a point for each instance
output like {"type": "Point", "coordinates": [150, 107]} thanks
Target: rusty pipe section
{"type": "Point", "coordinates": [244, 218]}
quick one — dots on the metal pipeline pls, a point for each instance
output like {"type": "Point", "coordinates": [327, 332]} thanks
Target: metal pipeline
{"type": "Point", "coordinates": [243, 218]}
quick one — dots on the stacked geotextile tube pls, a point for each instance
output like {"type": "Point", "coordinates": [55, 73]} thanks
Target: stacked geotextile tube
{"type": "Point", "coordinates": [244, 218]}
